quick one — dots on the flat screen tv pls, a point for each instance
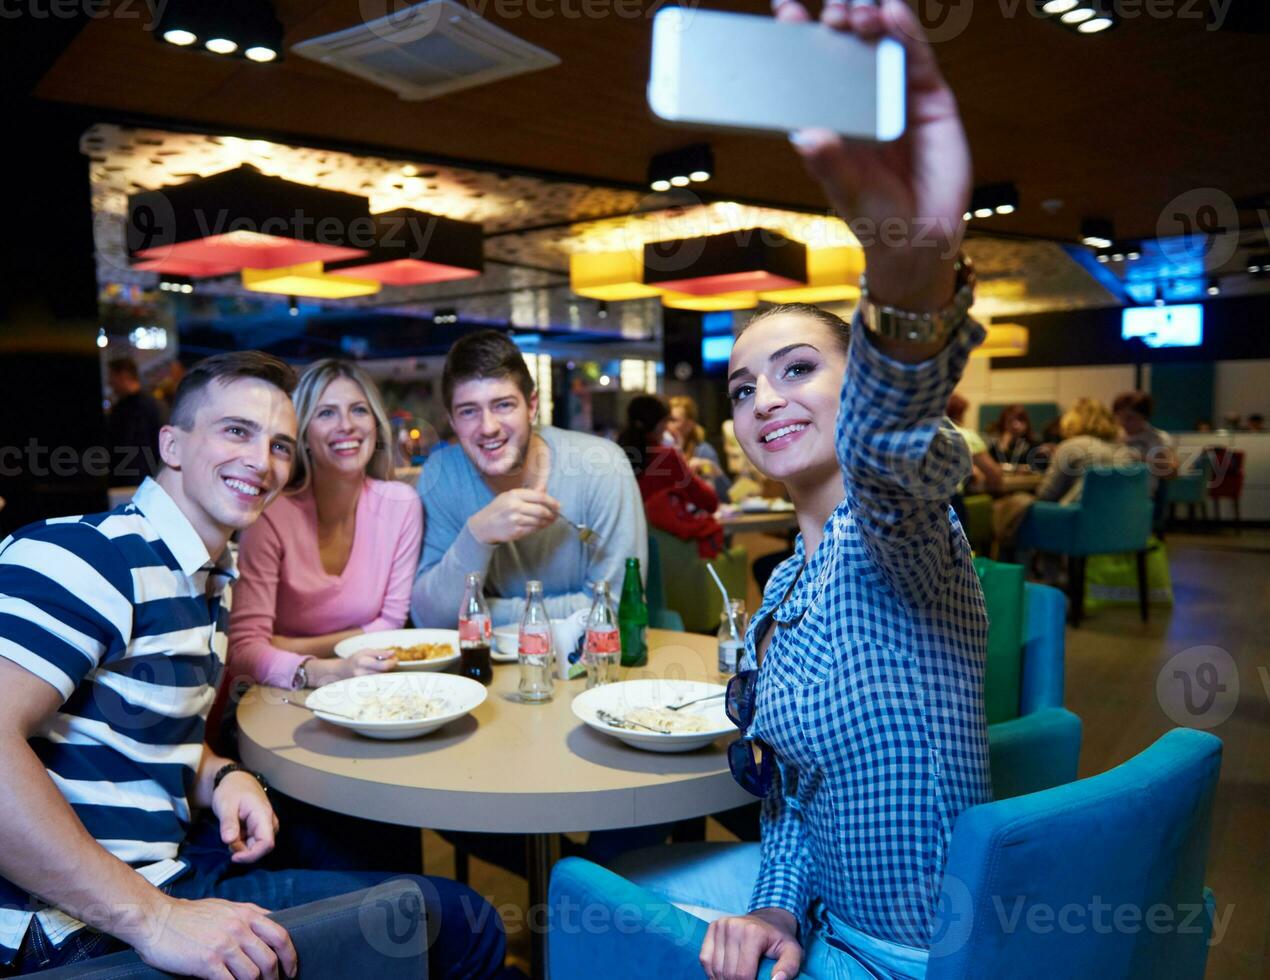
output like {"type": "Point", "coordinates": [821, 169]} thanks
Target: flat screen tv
{"type": "Point", "coordinates": [1164, 326]}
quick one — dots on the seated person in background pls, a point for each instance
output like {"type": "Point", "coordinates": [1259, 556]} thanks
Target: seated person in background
{"type": "Point", "coordinates": [690, 437]}
{"type": "Point", "coordinates": [986, 473]}
{"type": "Point", "coordinates": [494, 503]}
{"type": "Point", "coordinates": [1089, 439]}
{"type": "Point", "coordinates": [1256, 423]}
{"type": "Point", "coordinates": [111, 645]}
{"type": "Point", "coordinates": [1153, 446]}
{"type": "Point", "coordinates": [1012, 437]}
{"type": "Point", "coordinates": [675, 500]}
{"type": "Point", "coordinates": [132, 427]}
{"type": "Point", "coordinates": [746, 480]}
{"type": "Point", "coordinates": [332, 558]}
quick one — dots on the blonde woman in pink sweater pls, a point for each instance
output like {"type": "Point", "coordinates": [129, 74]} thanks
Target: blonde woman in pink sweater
{"type": "Point", "coordinates": [335, 556]}
{"type": "Point", "coordinates": [332, 557]}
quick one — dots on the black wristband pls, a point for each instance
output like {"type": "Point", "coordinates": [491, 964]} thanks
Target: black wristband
{"type": "Point", "coordinates": [235, 767]}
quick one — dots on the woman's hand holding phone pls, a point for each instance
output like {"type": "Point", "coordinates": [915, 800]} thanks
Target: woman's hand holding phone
{"type": "Point", "coordinates": [905, 200]}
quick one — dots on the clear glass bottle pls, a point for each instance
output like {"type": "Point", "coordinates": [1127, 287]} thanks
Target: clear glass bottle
{"type": "Point", "coordinates": [731, 636]}
{"type": "Point", "coordinates": [475, 632]}
{"type": "Point", "coordinates": [602, 649]}
{"type": "Point", "coordinates": [537, 657]}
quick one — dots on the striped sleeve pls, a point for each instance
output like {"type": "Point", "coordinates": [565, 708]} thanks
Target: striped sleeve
{"type": "Point", "coordinates": [902, 460]}
{"type": "Point", "coordinates": [65, 602]}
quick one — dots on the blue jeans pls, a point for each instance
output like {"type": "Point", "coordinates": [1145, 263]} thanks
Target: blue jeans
{"type": "Point", "coordinates": [465, 934]}
{"type": "Point", "coordinates": [713, 880]}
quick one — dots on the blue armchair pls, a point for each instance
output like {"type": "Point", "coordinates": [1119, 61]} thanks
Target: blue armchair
{"type": "Point", "coordinates": [1041, 747]}
{"type": "Point", "coordinates": [380, 932]}
{"type": "Point", "coordinates": [1099, 878]}
{"type": "Point", "coordinates": [1112, 516]}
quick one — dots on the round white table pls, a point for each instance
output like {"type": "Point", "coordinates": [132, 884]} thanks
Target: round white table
{"type": "Point", "coordinates": [508, 767]}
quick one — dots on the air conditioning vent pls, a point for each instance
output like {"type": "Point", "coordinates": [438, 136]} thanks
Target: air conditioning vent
{"type": "Point", "coordinates": [430, 49]}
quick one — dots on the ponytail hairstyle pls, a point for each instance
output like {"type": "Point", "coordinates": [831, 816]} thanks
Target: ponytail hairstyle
{"type": "Point", "coordinates": [643, 415]}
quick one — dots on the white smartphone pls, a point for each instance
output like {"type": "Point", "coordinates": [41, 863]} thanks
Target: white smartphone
{"type": "Point", "coordinates": [758, 74]}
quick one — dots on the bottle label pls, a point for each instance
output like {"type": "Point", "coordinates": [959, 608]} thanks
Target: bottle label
{"type": "Point", "coordinates": [729, 653]}
{"type": "Point", "coordinates": [534, 644]}
{"type": "Point", "coordinates": [474, 630]}
{"type": "Point", "coordinates": [603, 641]}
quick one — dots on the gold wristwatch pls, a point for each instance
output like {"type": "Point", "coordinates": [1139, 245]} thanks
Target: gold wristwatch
{"type": "Point", "coordinates": [920, 328]}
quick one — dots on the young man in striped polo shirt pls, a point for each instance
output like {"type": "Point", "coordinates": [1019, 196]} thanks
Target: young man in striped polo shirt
{"type": "Point", "coordinates": [112, 641]}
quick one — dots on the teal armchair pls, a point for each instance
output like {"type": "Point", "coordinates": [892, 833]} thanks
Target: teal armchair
{"type": "Point", "coordinates": [1112, 516]}
{"type": "Point", "coordinates": [1039, 747]}
{"type": "Point", "coordinates": [1082, 872]}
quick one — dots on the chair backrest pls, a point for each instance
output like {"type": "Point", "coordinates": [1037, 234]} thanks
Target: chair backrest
{"type": "Point", "coordinates": [1103, 877]}
{"type": "Point", "coordinates": [1226, 471]}
{"type": "Point", "coordinates": [687, 585]}
{"type": "Point", "coordinates": [1004, 598]}
{"type": "Point", "coordinates": [1115, 510]}
{"type": "Point", "coordinates": [654, 590]}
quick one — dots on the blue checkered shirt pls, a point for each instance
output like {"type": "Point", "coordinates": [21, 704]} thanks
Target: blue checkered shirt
{"type": "Point", "coordinates": [871, 688]}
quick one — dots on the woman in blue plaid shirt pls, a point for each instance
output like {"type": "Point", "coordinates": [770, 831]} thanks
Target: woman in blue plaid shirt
{"type": "Point", "coordinates": [863, 701]}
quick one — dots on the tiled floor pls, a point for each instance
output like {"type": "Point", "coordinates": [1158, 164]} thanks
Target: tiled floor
{"type": "Point", "coordinates": [1222, 589]}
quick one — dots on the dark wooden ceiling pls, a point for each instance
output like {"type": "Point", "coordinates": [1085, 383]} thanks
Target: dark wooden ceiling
{"type": "Point", "coordinates": [1113, 125]}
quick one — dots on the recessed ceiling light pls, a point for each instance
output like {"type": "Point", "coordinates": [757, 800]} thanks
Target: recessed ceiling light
{"type": "Point", "coordinates": [221, 45]}
{"type": "Point", "coordinates": [1077, 16]}
{"type": "Point", "coordinates": [261, 54]}
{"type": "Point", "coordinates": [699, 175]}
{"type": "Point", "coordinates": [660, 185]}
{"type": "Point", "coordinates": [410, 170]}
{"type": "Point", "coordinates": [983, 212]}
{"type": "Point", "coordinates": [679, 180]}
{"type": "Point", "coordinates": [1133, 256]}
{"type": "Point", "coordinates": [179, 37]}
{"type": "Point", "coordinates": [1005, 209]}
{"type": "Point", "coordinates": [967, 216]}
{"type": "Point", "coordinates": [1117, 257]}
{"type": "Point", "coordinates": [1103, 258]}
{"type": "Point", "coordinates": [1095, 26]}
{"type": "Point", "coordinates": [1214, 290]}
{"type": "Point", "coordinates": [1254, 269]}
{"type": "Point", "coordinates": [1057, 6]}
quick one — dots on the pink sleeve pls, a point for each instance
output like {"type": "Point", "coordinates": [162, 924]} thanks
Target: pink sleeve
{"type": "Point", "coordinates": [405, 563]}
{"type": "Point", "coordinates": [251, 618]}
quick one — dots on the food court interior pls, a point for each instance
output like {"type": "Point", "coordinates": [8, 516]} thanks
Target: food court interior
{"type": "Point", "coordinates": [503, 160]}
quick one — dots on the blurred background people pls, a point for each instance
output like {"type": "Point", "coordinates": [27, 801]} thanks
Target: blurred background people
{"type": "Point", "coordinates": [986, 475]}
{"type": "Point", "coordinates": [132, 427]}
{"type": "Point", "coordinates": [1090, 437]}
{"type": "Point", "coordinates": [1013, 439]}
{"type": "Point", "coordinates": [690, 438]}
{"type": "Point", "coordinates": [675, 499]}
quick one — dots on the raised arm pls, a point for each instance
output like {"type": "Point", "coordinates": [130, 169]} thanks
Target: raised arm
{"type": "Point", "coordinates": [902, 460]}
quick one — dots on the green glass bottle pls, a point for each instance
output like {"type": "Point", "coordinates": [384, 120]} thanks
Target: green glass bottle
{"type": "Point", "coordinates": [632, 617]}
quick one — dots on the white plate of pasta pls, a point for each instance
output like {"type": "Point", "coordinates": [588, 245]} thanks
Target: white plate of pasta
{"type": "Point", "coordinates": [396, 706]}
{"type": "Point", "coordinates": [637, 713]}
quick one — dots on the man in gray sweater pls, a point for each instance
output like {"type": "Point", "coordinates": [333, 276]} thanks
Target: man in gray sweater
{"type": "Point", "coordinates": [496, 503]}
